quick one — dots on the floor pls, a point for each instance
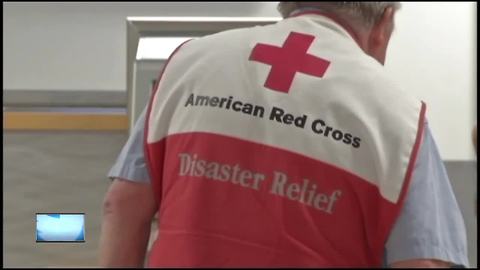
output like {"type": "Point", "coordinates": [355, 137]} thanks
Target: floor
{"type": "Point", "coordinates": [54, 172]}
{"type": "Point", "coordinates": [66, 172]}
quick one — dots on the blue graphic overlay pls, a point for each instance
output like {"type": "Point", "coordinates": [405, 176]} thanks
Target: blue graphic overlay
{"type": "Point", "coordinates": [60, 228]}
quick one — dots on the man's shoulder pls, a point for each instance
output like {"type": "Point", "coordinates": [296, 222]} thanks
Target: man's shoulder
{"type": "Point", "coordinates": [207, 50]}
{"type": "Point", "coordinates": [372, 76]}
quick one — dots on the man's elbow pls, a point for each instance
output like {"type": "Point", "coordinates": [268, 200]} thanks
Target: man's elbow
{"type": "Point", "coordinates": [110, 204]}
{"type": "Point", "coordinates": [128, 199]}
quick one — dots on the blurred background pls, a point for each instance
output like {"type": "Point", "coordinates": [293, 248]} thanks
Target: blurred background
{"type": "Point", "coordinates": [76, 76]}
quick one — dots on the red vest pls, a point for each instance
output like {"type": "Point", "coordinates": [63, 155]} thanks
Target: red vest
{"type": "Point", "coordinates": [280, 145]}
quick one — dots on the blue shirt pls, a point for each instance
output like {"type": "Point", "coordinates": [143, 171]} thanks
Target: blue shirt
{"type": "Point", "coordinates": [430, 224]}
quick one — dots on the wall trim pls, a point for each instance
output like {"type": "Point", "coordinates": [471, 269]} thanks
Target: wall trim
{"type": "Point", "coordinates": [63, 121]}
{"type": "Point", "coordinates": [64, 98]}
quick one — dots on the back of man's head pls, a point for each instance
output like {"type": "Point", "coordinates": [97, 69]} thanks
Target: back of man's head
{"type": "Point", "coordinates": [359, 14]}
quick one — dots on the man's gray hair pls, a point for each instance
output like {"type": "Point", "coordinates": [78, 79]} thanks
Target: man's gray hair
{"type": "Point", "coordinates": [366, 13]}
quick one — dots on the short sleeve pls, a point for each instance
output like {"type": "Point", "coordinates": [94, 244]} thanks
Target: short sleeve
{"type": "Point", "coordinates": [130, 164]}
{"type": "Point", "coordinates": [430, 224]}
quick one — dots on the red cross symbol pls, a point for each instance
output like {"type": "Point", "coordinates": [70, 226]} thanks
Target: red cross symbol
{"type": "Point", "coordinates": [289, 59]}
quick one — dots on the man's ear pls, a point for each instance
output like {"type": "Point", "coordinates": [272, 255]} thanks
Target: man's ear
{"type": "Point", "coordinates": [380, 35]}
{"type": "Point", "coordinates": [383, 28]}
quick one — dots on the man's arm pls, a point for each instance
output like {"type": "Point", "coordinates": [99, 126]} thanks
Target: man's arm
{"type": "Point", "coordinates": [128, 210]}
{"type": "Point", "coordinates": [130, 164]}
{"type": "Point", "coordinates": [125, 229]}
{"type": "Point", "coordinates": [430, 231]}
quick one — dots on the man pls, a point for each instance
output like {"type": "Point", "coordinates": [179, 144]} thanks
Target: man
{"type": "Point", "coordinates": [285, 145]}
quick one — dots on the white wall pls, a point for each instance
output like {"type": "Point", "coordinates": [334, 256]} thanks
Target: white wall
{"type": "Point", "coordinates": [77, 46]}
{"type": "Point", "coordinates": [82, 46]}
{"type": "Point", "coordinates": [433, 56]}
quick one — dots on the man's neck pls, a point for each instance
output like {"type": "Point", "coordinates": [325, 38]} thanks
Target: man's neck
{"type": "Point", "coordinates": [361, 42]}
